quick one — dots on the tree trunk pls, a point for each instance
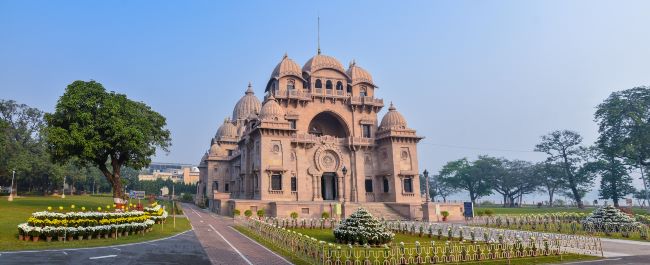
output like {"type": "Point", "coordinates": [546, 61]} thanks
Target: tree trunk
{"type": "Point", "coordinates": [550, 198]}
{"type": "Point", "coordinates": [576, 197]}
{"type": "Point", "coordinates": [615, 202]}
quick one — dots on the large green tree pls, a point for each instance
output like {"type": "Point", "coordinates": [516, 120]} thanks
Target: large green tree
{"type": "Point", "coordinates": [474, 177]}
{"type": "Point", "coordinates": [615, 181]}
{"type": "Point", "coordinates": [550, 177]}
{"type": "Point", "coordinates": [104, 129]}
{"type": "Point", "coordinates": [624, 126]}
{"type": "Point", "coordinates": [565, 149]}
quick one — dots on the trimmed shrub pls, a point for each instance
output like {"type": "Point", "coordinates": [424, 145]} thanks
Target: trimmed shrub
{"type": "Point", "coordinates": [362, 228]}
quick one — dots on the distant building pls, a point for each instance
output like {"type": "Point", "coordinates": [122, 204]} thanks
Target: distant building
{"type": "Point", "coordinates": [175, 172]}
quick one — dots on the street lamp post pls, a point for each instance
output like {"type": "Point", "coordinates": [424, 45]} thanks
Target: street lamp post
{"type": "Point", "coordinates": [426, 178]}
{"type": "Point", "coordinates": [344, 170]}
{"type": "Point", "coordinates": [63, 191]}
{"type": "Point", "coordinates": [11, 189]}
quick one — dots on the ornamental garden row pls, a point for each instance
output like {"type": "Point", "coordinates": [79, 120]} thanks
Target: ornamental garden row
{"type": "Point", "coordinates": [81, 225]}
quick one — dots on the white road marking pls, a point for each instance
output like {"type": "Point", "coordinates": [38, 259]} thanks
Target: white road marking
{"type": "Point", "coordinates": [103, 257]}
{"type": "Point", "coordinates": [590, 261]}
{"type": "Point", "coordinates": [66, 253]}
{"type": "Point", "coordinates": [276, 254]}
{"type": "Point", "coordinates": [117, 249]}
{"type": "Point", "coordinates": [233, 247]}
{"type": "Point", "coordinates": [68, 249]}
{"type": "Point", "coordinates": [197, 213]}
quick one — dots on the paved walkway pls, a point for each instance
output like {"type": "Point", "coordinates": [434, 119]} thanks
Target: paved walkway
{"type": "Point", "coordinates": [183, 248]}
{"type": "Point", "coordinates": [225, 245]}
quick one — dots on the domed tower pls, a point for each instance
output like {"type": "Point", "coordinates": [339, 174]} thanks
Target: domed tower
{"type": "Point", "coordinates": [397, 153]}
{"type": "Point", "coordinates": [361, 83]}
{"type": "Point", "coordinates": [271, 110]}
{"type": "Point", "coordinates": [326, 75]}
{"type": "Point", "coordinates": [248, 105]}
{"type": "Point", "coordinates": [285, 79]}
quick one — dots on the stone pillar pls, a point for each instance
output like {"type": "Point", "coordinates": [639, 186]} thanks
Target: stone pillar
{"type": "Point", "coordinates": [340, 190]}
{"type": "Point", "coordinates": [314, 194]}
{"type": "Point", "coordinates": [318, 188]}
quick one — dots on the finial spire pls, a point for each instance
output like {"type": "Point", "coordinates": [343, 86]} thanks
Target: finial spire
{"type": "Point", "coordinates": [319, 35]}
{"type": "Point", "coordinates": [285, 55]}
{"type": "Point", "coordinates": [250, 88]}
{"type": "Point", "coordinates": [392, 107]}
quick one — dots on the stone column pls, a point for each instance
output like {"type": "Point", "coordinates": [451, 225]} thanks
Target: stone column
{"type": "Point", "coordinates": [340, 190]}
{"type": "Point", "coordinates": [318, 188]}
{"type": "Point", "coordinates": [314, 193]}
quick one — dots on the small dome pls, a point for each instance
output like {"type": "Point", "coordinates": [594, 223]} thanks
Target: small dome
{"type": "Point", "coordinates": [322, 62]}
{"type": "Point", "coordinates": [246, 105]}
{"type": "Point", "coordinates": [393, 119]}
{"type": "Point", "coordinates": [286, 67]}
{"type": "Point", "coordinates": [271, 110]}
{"type": "Point", "coordinates": [359, 75]}
{"type": "Point", "coordinates": [194, 169]}
{"type": "Point", "coordinates": [227, 129]}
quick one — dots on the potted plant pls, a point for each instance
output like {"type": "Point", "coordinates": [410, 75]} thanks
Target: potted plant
{"type": "Point", "coordinates": [36, 233]}
{"type": "Point", "coordinates": [325, 215]}
{"type": "Point", "coordinates": [260, 213]}
{"type": "Point", "coordinates": [444, 214]}
{"type": "Point", "coordinates": [21, 233]}
{"type": "Point", "coordinates": [81, 232]}
{"type": "Point", "coordinates": [236, 213]}
{"type": "Point", "coordinates": [48, 231]}
{"type": "Point", "coordinates": [248, 213]}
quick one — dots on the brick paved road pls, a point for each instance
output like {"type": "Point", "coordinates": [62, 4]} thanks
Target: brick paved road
{"type": "Point", "coordinates": [223, 244]}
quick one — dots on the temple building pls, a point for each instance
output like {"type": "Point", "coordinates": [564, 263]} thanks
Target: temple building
{"type": "Point", "coordinates": [314, 144]}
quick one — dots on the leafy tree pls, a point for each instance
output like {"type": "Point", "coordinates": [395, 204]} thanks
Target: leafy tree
{"type": "Point", "coordinates": [437, 187]}
{"type": "Point", "coordinates": [564, 148]}
{"type": "Point", "coordinates": [624, 126]}
{"type": "Point", "coordinates": [522, 173]}
{"type": "Point", "coordinates": [641, 196]}
{"type": "Point", "coordinates": [615, 182]}
{"type": "Point", "coordinates": [106, 130]}
{"type": "Point", "coordinates": [474, 177]}
{"type": "Point", "coordinates": [550, 177]}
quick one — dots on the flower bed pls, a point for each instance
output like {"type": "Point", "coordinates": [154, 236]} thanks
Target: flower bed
{"type": "Point", "coordinates": [156, 212]}
{"type": "Point", "coordinates": [88, 225]}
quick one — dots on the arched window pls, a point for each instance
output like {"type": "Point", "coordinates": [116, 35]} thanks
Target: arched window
{"type": "Point", "coordinates": [291, 84]}
{"type": "Point", "coordinates": [339, 85]}
{"type": "Point", "coordinates": [363, 92]}
{"type": "Point", "coordinates": [328, 84]}
{"type": "Point", "coordinates": [319, 84]}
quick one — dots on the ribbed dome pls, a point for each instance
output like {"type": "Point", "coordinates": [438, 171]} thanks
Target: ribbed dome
{"type": "Point", "coordinates": [227, 129]}
{"type": "Point", "coordinates": [393, 119]}
{"type": "Point", "coordinates": [287, 67]}
{"type": "Point", "coordinates": [359, 75]}
{"type": "Point", "coordinates": [321, 62]}
{"type": "Point", "coordinates": [246, 105]}
{"type": "Point", "coordinates": [271, 110]}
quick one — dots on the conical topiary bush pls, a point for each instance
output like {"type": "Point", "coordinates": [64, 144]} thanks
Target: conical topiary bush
{"type": "Point", "coordinates": [608, 217]}
{"type": "Point", "coordinates": [362, 228]}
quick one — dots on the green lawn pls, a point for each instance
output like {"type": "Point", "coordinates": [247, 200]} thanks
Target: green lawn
{"type": "Point", "coordinates": [16, 212]}
{"type": "Point", "coordinates": [534, 210]}
{"type": "Point", "coordinates": [327, 236]}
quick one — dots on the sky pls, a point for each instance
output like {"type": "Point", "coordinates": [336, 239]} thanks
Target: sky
{"type": "Point", "coordinates": [473, 77]}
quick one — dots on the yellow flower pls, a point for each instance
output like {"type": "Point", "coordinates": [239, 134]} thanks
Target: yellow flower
{"type": "Point", "coordinates": [72, 206]}
{"type": "Point", "coordinates": [99, 208]}
{"type": "Point", "coordinates": [108, 206]}
{"type": "Point", "coordinates": [83, 208]}
{"type": "Point", "coordinates": [49, 208]}
{"type": "Point", "coordinates": [60, 208]}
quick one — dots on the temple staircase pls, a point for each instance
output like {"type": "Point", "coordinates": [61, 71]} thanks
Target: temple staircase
{"type": "Point", "coordinates": [379, 210]}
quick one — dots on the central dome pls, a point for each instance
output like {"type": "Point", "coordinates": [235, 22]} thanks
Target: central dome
{"type": "Point", "coordinates": [247, 105]}
{"type": "Point", "coordinates": [320, 61]}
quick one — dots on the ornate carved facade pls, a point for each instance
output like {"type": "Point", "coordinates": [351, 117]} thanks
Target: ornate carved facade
{"type": "Point", "coordinates": [314, 141]}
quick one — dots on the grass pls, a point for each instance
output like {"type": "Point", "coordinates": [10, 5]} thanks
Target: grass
{"type": "Point", "coordinates": [327, 236]}
{"type": "Point", "coordinates": [16, 212]}
{"type": "Point", "coordinates": [535, 210]}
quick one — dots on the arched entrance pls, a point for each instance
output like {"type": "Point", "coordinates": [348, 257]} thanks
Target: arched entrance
{"type": "Point", "coordinates": [328, 123]}
{"type": "Point", "coordinates": [329, 186]}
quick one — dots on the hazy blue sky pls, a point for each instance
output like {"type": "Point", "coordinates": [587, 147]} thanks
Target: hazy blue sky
{"type": "Point", "coordinates": [473, 77]}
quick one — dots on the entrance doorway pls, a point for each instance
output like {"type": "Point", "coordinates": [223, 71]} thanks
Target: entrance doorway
{"type": "Point", "coordinates": [328, 186]}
